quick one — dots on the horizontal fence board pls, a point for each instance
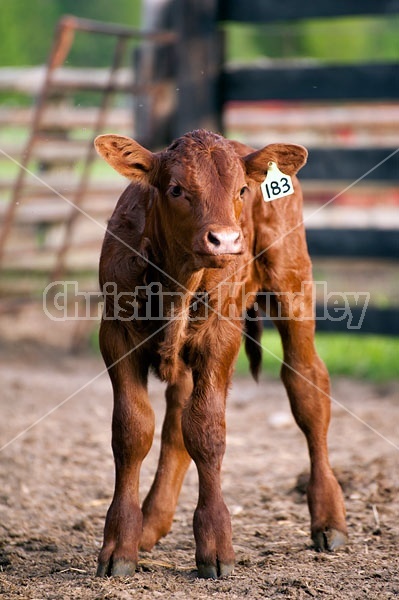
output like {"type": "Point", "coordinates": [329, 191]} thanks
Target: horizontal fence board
{"type": "Point", "coordinates": [268, 11]}
{"type": "Point", "coordinates": [328, 214]}
{"type": "Point", "coordinates": [64, 80]}
{"type": "Point", "coordinates": [351, 243]}
{"type": "Point", "coordinates": [50, 152]}
{"type": "Point", "coordinates": [30, 80]}
{"type": "Point", "coordinates": [310, 82]}
{"type": "Point", "coordinates": [379, 321]}
{"type": "Point", "coordinates": [41, 211]}
{"type": "Point", "coordinates": [66, 117]}
{"type": "Point", "coordinates": [47, 182]}
{"type": "Point", "coordinates": [350, 164]}
{"type": "Point", "coordinates": [314, 124]}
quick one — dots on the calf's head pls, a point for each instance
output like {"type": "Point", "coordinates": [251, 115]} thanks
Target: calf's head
{"type": "Point", "coordinates": [202, 181]}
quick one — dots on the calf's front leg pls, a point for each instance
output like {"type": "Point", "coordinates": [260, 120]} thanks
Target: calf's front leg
{"type": "Point", "coordinates": [160, 503]}
{"type": "Point", "coordinates": [132, 434]}
{"type": "Point", "coordinates": [204, 432]}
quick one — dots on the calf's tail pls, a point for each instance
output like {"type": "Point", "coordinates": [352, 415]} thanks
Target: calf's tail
{"type": "Point", "coordinates": [253, 348]}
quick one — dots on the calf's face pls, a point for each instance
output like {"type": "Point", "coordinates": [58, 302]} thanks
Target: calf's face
{"type": "Point", "coordinates": [202, 183]}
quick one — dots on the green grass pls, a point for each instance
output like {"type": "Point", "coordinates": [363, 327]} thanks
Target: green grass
{"type": "Point", "coordinates": [369, 357]}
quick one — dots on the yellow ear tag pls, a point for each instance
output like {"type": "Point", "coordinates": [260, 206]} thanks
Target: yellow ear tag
{"type": "Point", "coordinates": [276, 185]}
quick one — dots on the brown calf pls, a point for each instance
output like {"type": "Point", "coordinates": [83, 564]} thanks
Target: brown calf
{"type": "Point", "coordinates": [191, 253]}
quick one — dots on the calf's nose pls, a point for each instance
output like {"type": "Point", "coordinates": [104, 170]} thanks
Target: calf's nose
{"type": "Point", "coordinates": [224, 241]}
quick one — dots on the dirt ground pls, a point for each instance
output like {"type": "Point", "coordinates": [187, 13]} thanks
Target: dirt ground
{"type": "Point", "coordinates": [56, 481]}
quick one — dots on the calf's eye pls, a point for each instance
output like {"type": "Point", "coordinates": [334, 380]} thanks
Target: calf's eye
{"type": "Point", "coordinates": [243, 190]}
{"type": "Point", "coordinates": [175, 191]}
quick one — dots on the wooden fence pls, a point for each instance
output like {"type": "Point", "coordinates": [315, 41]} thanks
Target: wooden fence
{"type": "Point", "coordinates": [347, 115]}
{"type": "Point", "coordinates": [181, 82]}
{"type": "Point", "coordinates": [53, 213]}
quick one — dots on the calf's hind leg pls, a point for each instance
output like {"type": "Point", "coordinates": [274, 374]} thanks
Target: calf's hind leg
{"type": "Point", "coordinates": [160, 503]}
{"type": "Point", "coordinates": [307, 383]}
{"type": "Point", "coordinates": [132, 434]}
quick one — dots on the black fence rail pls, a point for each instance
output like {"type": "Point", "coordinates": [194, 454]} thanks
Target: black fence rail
{"type": "Point", "coordinates": [262, 11]}
{"type": "Point", "coordinates": [354, 243]}
{"type": "Point", "coordinates": [369, 320]}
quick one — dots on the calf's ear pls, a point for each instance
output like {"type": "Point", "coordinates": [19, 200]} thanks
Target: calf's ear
{"type": "Point", "coordinates": [288, 157]}
{"type": "Point", "coordinates": [126, 156]}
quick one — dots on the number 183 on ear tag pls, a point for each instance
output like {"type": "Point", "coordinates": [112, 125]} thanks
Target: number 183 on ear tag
{"type": "Point", "coordinates": [276, 185]}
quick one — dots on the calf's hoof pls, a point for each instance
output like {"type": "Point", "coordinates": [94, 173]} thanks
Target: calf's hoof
{"type": "Point", "coordinates": [214, 554]}
{"type": "Point", "coordinates": [329, 540]}
{"type": "Point", "coordinates": [116, 568]}
{"type": "Point", "coordinates": [214, 571]}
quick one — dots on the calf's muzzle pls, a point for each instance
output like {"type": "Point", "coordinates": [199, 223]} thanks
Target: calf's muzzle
{"type": "Point", "coordinates": [222, 240]}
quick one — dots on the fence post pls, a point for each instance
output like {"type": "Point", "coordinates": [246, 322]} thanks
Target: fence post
{"type": "Point", "coordinates": [155, 63]}
{"type": "Point", "coordinates": [199, 54]}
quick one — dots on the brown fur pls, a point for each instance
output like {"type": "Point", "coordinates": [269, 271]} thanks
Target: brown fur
{"type": "Point", "coordinates": [193, 220]}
